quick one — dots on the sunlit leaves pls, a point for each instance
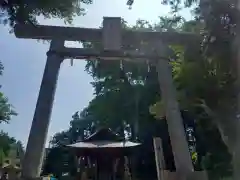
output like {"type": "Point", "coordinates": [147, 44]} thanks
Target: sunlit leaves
{"type": "Point", "coordinates": [6, 109]}
{"type": "Point", "coordinates": [158, 110]}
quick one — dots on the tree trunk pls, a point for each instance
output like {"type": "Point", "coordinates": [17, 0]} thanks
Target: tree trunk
{"type": "Point", "coordinates": [236, 161]}
{"type": "Point", "coordinates": [236, 56]}
{"type": "Point", "coordinates": [231, 138]}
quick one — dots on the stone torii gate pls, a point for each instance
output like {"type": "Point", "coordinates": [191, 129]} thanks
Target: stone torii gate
{"type": "Point", "coordinates": [114, 40]}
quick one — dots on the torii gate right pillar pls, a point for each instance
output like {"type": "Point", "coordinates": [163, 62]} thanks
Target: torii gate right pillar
{"type": "Point", "coordinates": [176, 131]}
{"type": "Point", "coordinates": [183, 162]}
{"type": "Point", "coordinates": [182, 158]}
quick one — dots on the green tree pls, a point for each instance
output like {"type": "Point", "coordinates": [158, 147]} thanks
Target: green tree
{"type": "Point", "coordinates": [204, 82]}
{"type": "Point", "coordinates": [6, 112]}
{"type": "Point", "coordinates": [10, 147]}
{"type": "Point", "coordinates": [80, 127]}
{"type": "Point", "coordinates": [6, 109]}
{"type": "Point", "coordinates": [207, 75]}
{"type": "Point", "coordinates": [5, 142]}
{"type": "Point", "coordinates": [59, 160]}
{"type": "Point", "coordinates": [27, 11]}
{"type": "Point", "coordinates": [2, 156]}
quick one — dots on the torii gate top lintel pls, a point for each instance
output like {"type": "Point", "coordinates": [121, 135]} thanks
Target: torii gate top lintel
{"type": "Point", "coordinates": [46, 32]}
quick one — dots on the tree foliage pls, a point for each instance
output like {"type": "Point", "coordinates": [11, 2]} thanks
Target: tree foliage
{"type": "Point", "coordinates": [205, 75]}
{"type": "Point", "coordinates": [27, 11]}
{"type": "Point", "coordinates": [6, 109]}
{"type": "Point", "coordinates": [7, 144]}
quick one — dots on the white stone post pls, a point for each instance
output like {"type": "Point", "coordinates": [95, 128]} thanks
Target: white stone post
{"type": "Point", "coordinates": [35, 150]}
{"type": "Point", "coordinates": [176, 131]}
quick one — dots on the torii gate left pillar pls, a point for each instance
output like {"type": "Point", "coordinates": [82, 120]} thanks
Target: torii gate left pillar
{"type": "Point", "coordinates": [35, 150]}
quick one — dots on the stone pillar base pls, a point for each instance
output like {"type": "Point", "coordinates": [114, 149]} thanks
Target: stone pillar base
{"type": "Point", "coordinates": [196, 175]}
{"type": "Point", "coordinates": [36, 178]}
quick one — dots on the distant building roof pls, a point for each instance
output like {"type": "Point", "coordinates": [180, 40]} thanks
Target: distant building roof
{"type": "Point", "coordinates": [104, 144]}
{"type": "Point", "coordinates": [104, 134]}
{"type": "Point", "coordinates": [104, 138]}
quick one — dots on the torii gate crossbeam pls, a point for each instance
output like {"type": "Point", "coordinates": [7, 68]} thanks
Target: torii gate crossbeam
{"type": "Point", "coordinates": [95, 35]}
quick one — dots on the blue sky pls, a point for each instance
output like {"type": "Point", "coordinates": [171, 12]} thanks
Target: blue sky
{"type": "Point", "coordinates": [24, 62]}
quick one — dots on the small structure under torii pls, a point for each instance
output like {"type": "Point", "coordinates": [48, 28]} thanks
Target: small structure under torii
{"type": "Point", "coordinates": [100, 154]}
{"type": "Point", "coordinates": [116, 42]}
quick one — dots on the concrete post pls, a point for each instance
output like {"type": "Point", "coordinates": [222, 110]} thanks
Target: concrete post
{"type": "Point", "coordinates": [32, 162]}
{"type": "Point", "coordinates": [176, 131]}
